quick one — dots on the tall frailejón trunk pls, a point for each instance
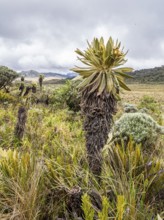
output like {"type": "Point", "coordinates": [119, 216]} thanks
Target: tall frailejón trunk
{"type": "Point", "coordinates": [98, 114]}
{"type": "Point", "coordinates": [21, 122]}
{"type": "Point", "coordinates": [101, 77]}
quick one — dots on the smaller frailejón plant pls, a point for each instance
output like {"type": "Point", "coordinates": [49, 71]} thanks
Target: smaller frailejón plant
{"type": "Point", "coordinates": [41, 77]}
{"type": "Point", "coordinates": [21, 88]}
{"type": "Point", "coordinates": [22, 78]}
{"type": "Point", "coordinates": [33, 88]}
{"type": "Point", "coordinates": [27, 91]}
{"type": "Point", "coordinates": [102, 79]}
{"type": "Point", "coordinates": [140, 127]}
{"type": "Point", "coordinates": [21, 122]}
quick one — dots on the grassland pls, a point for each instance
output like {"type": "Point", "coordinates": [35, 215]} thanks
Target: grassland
{"type": "Point", "coordinates": [139, 90]}
{"type": "Point", "coordinates": [45, 175]}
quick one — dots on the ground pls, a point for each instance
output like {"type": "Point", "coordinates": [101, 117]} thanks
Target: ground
{"type": "Point", "coordinates": [39, 173]}
{"type": "Point", "coordinates": [139, 90]}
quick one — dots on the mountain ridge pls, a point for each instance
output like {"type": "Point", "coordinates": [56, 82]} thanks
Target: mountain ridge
{"type": "Point", "coordinates": [34, 73]}
{"type": "Point", "coordinates": [151, 75]}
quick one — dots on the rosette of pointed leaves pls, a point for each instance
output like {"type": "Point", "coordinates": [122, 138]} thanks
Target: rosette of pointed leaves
{"type": "Point", "coordinates": [103, 72]}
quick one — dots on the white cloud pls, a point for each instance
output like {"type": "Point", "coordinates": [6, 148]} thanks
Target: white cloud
{"type": "Point", "coordinates": [146, 63]}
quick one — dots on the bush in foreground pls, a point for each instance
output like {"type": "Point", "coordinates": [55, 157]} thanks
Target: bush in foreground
{"type": "Point", "coordinates": [6, 98]}
{"type": "Point", "coordinates": [66, 96]}
{"type": "Point", "coordinates": [7, 76]}
{"type": "Point", "coordinates": [140, 127]}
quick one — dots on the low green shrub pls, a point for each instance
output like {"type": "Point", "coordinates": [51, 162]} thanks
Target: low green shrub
{"type": "Point", "coordinates": [6, 97]}
{"type": "Point", "coordinates": [66, 96]}
{"type": "Point", "coordinates": [139, 126]}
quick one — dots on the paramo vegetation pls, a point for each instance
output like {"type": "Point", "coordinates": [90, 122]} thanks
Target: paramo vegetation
{"type": "Point", "coordinates": [71, 152]}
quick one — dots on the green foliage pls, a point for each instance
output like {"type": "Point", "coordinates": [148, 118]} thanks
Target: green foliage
{"type": "Point", "coordinates": [87, 207]}
{"type": "Point", "coordinates": [139, 126]}
{"type": "Point", "coordinates": [120, 207]}
{"type": "Point", "coordinates": [6, 98]}
{"type": "Point", "coordinates": [38, 178]}
{"type": "Point", "coordinates": [152, 106]}
{"type": "Point", "coordinates": [21, 88]}
{"type": "Point", "coordinates": [101, 72]}
{"type": "Point", "coordinates": [66, 96]}
{"type": "Point", "coordinates": [151, 75]}
{"type": "Point", "coordinates": [7, 123]}
{"type": "Point", "coordinates": [6, 76]}
{"type": "Point", "coordinates": [148, 102]}
{"type": "Point", "coordinates": [134, 179]}
{"type": "Point", "coordinates": [20, 185]}
{"type": "Point", "coordinates": [103, 214]}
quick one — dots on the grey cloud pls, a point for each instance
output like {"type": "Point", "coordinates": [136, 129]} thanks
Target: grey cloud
{"type": "Point", "coordinates": [44, 34]}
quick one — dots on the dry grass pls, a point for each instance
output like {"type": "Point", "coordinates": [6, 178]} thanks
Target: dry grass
{"type": "Point", "coordinates": [38, 177]}
{"type": "Point", "coordinates": [139, 90]}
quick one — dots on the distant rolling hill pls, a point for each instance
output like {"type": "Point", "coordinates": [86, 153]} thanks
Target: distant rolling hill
{"type": "Point", "coordinates": [153, 75]}
{"type": "Point", "coordinates": [33, 74]}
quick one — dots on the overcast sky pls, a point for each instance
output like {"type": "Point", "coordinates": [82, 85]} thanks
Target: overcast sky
{"type": "Point", "coordinates": [43, 34]}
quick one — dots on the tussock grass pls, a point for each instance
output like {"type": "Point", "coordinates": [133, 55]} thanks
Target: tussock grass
{"type": "Point", "coordinates": [46, 175]}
